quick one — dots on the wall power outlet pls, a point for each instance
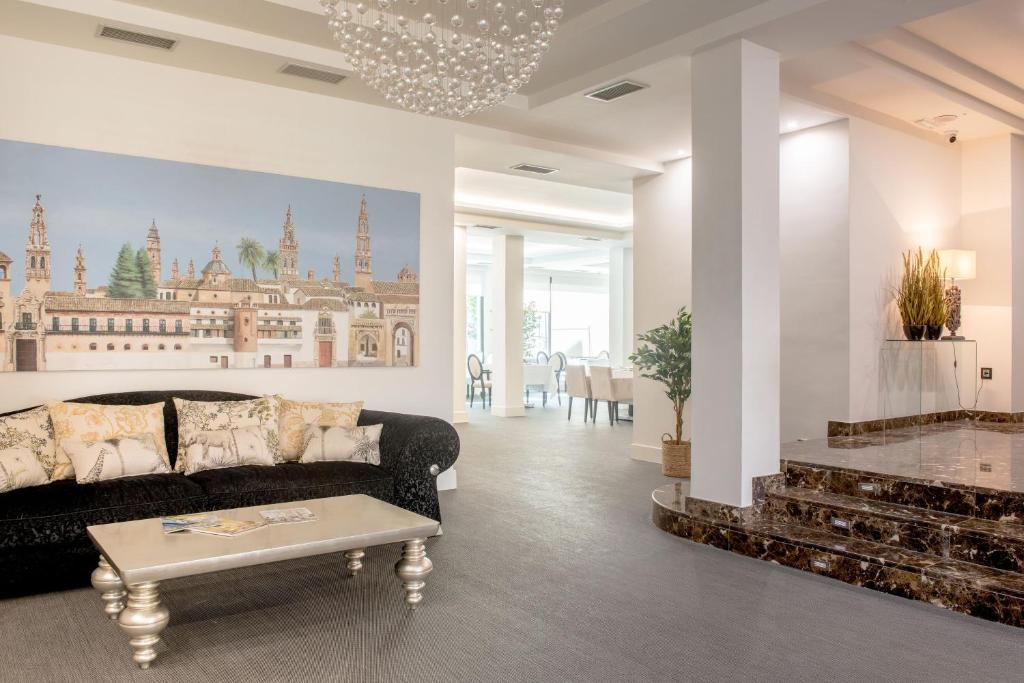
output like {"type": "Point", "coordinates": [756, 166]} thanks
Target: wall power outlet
{"type": "Point", "coordinates": [986, 373]}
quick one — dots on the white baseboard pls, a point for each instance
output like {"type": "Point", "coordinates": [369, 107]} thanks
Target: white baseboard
{"type": "Point", "coordinates": [639, 451]}
{"type": "Point", "coordinates": [508, 411]}
{"type": "Point", "coordinates": [460, 417]}
{"type": "Point", "coordinates": [447, 480]}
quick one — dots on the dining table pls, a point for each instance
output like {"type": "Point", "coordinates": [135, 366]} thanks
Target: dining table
{"type": "Point", "coordinates": [537, 375]}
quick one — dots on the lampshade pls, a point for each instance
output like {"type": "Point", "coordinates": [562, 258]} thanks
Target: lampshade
{"type": "Point", "coordinates": [960, 264]}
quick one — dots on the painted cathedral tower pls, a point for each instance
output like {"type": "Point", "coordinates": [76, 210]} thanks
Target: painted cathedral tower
{"type": "Point", "coordinates": [364, 256]}
{"type": "Point", "coordinates": [80, 285]}
{"type": "Point", "coordinates": [153, 252]}
{"type": "Point", "coordinates": [288, 249]}
{"type": "Point", "coordinates": [37, 253]}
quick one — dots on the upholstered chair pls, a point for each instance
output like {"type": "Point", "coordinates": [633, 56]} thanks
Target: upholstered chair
{"type": "Point", "coordinates": [559, 363]}
{"type": "Point", "coordinates": [543, 358]}
{"type": "Point", "coordinates": [612, 391]}
{"type": "Point", "coordinates": [477, 377]}
{"type": "Point", "coordinates": [578, 386]}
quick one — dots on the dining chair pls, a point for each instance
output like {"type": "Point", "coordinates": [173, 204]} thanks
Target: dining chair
{"type": "Point", "coordinates": [558, 365]}
{"type": "Point", "coordinates": [606, 388]}
{"type": "Point", "coordinates": [543, 358]}
{"type": "Point", "coordinates": [476, 374]}
{"type": "Point", "coordinates": [604, 355]}
{"type": "Point", "coordinates": [577, 385]}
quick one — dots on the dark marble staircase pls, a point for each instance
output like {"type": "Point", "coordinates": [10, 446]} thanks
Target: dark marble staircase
{"type": "Point", "coordinates": [956, 546]}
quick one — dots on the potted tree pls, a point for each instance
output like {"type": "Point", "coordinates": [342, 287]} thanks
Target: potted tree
{"type": "Point", "coordinates": [664, 356]}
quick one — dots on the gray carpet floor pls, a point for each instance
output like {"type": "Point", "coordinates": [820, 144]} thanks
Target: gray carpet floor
{"type": "Point", "coordinates": [549, 570]}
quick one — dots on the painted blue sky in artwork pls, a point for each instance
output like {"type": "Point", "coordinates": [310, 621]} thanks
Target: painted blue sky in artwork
{"type": "Point", "coordinates": [102, 200]}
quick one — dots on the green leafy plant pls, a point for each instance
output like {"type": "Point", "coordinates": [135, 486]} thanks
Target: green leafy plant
{"type": "Point", "coordinates": [531, 326]}
{"type": "Point", "coordinates": [664, 356]}
{"type": "Point", "coordinates": [125, 281]}
{"type": "Point", "coordinates": [272, 262]}
{"type": "Point", "coordinates": [250, 254]}
{"type": "Point", "coordinates": [147, 285]}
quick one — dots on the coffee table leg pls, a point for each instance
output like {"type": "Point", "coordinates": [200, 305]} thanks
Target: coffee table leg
{"type": "Point", "coordinates": [143, 620]}
{"type": "Point", "coordinates": [413, 569]}
{"type": "Point", "coordinates": [108, 583]}
{"type": "Point", "coordinates": [355, 560]}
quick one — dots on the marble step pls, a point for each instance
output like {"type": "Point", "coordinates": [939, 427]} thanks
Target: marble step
{"type": "Point", "coordinates": [960, 586]}
{"type": "Point", "coordinates": [939, 496]}
{"type": "Point", "coordinates": [999, 545]}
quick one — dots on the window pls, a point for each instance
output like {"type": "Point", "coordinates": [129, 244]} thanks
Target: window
{"type": "Point", "coordinates": [163, 326]}
{"type": "Point", "coordinates": [177, 326]}
{"type": "Point", "coordinates": [145, 324]}
{"type": "Point", "coordinates": [266, 361]}
{"type": "Point", "coordinates": [26, 320]}
{"type": "Point", "coordinates": [128, 325]}
{"type": "Point", "coordinates": [92, 324]}
{"type": "Point", "coordinates": [56, 323]}
{"type": "Point", "coordinates": [213, 359]}
{"type": "Point", "coordinates": [161, 347]}
{"type": "Point", "coordinates": [74, 324]}
{"type": "Point", "coordinates": [42, 262]}
{"type": "Point", "coordinates": [177, 347]}
{"type": "Point", "coordinates": [33, 261]}
{"type": "Point", "coordinates": [92, 347]}
{"type": "Point", "coordinates": [287, 361]}
{"type": "Point", "coordinates": [110, 347]}
{"type": "Point", "coordinates": [145, 347]}
{"type": "Point", "coordinates": [110, 324]}
{"type": "Point", "coordinates": [127, 347]}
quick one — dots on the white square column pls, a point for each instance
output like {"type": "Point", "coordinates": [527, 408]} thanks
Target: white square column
{"type": "Point", "coordinates": [507, 303]}
{"type": "Point", "coordinates": [736, 324]}
{"type": "Point", "coordinates": [620, 305]}
{"type": "Point", "coordinates": [459, 328]}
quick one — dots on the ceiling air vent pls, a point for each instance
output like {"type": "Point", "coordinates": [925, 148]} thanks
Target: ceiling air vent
{"type": "Point", "coordinates": [534, 168]}
{"type": "Point", "coordinates": [615, 91]}
{"type": "Point", "coordinates": [127, 36]}
{"type": "Point", "coordinates": [312, 73]}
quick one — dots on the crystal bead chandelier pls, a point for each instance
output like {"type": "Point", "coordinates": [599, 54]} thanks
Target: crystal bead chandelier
{"type": "Point", "coordinates": [444, 57]}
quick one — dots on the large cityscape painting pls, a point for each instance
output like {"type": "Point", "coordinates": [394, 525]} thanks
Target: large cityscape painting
{"type": "Point", "coordinates": [114, 262]}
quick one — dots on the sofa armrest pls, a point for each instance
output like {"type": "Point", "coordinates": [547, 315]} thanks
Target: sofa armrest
{"type": "Point", "coordinates": [414, 449]}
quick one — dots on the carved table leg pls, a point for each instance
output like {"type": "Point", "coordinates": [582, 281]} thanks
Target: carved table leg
{"type": "Point", "coordinates": [355, 560]}
{"type": "Point", "coordinates": [413, 569]}
{"type": "Point", "coordinates": [108, 583]}
{"type": "Point", "coordinates": [143, 620]}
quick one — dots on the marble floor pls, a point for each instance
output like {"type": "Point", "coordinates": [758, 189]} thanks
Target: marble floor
{"type": "Point", "coordinates": [975, 454]}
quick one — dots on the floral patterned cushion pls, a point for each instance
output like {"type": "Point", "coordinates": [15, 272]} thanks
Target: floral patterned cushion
{"type": "Point", "coordinates": [120, 456]}
{"type": "Point", "coordinates": [296, 416]}
{"type": "Point", "coordinates": [31, 430]}
{"type": "Point", "coordinates": [211, 416]}
{"type": "Point", "coordinates": [355, 444]}
{"type": "Point", "coordinates": [20, 468]}
{"type": "Point", "coordinates": [95, 422]}
{"type": "Point", "coordinates": [228, 448]}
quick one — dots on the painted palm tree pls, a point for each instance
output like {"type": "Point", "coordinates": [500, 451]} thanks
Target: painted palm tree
{"type": "Point", "coordinates": [272, 262]}
{"type": "Point", "coordinates": [250, 253]}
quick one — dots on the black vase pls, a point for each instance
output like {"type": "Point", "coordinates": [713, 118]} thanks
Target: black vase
{"type": "Point", "coordinates": [913, 332]}
{"type": "Point", "coordinates": [933, 332]}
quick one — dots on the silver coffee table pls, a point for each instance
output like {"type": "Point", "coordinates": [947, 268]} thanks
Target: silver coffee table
{"type": "Point", "coordinates": [136, 556]}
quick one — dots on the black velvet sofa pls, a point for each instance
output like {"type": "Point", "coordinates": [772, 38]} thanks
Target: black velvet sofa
{"type": "Point", "coordinates": [44, 546]}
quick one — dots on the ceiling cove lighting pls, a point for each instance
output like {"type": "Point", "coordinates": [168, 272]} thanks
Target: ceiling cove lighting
{"type": "Point", "coordinates": [593, 218]}
{"type": "Point", "coordinates": [447, 58]}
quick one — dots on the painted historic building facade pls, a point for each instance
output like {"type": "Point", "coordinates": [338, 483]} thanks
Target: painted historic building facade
{"type": "Point", "coordinates": [209, 319]}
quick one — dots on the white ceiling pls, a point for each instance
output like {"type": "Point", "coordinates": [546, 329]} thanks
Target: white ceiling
{"type": "Point", "coordinates": [892, 61]}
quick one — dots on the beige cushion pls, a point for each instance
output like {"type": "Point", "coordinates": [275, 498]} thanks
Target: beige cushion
{"type": "Point", "coordinates": [356, 444]}
{"type": "Point", "coordinates": [121, 456]}
{"type": "Point", "coordinates": [296, 417]}
{"type": "Point", "coordinates": [20, 468]}
{"type": "Point", "coordinates": [210, 416]}
{"type": "Point", "coordinates": [229, 448]}
{"type": "Point", "coordinates": [94, 422]}
{"type": "Point", "coordinates": [30, 431]}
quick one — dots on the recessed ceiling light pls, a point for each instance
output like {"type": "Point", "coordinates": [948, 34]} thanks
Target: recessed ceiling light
{"type": "Point", "coordinates": [792, 125]}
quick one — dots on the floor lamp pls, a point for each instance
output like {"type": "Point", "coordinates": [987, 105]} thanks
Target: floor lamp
{"type": "Point", "coordinates": [958, 264]}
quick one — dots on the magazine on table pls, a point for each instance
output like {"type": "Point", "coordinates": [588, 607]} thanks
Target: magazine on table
{"type": "Point", "coordinates": [288, 515]}
{"type": "Point", "coordinates": [176, 523]}
{"type": "Point", "coordinates": [228, 527]}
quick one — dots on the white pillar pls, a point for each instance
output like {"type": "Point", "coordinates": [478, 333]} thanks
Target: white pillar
{"type": "Point", "coordinates": [735, 270]}
{"type": "Point", "coordinates": [459, 328]}
{"type": "Point", "coordinates": [620, 299]}
{"type": "Point", "coordinates": [507, 342]}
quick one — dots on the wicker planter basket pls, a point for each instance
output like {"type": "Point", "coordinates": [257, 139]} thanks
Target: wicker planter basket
{"type": "Point", "coordinates": [675, 459]}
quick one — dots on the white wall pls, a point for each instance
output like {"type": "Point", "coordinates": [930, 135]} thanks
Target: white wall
{"type": "Point", "coordinates": [904, 193]}
{"type": "Point", "coordinates": [814, 231]}
{"type": "Point", "coordinates": [662, 264]}
{"type": "Point", "coordinates": [986, 228]}
{"type": "Point", "coordinates": [60, 96]}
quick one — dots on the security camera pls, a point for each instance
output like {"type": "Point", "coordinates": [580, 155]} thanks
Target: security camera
{"type": "Point", "coordinates": [951, 134]}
